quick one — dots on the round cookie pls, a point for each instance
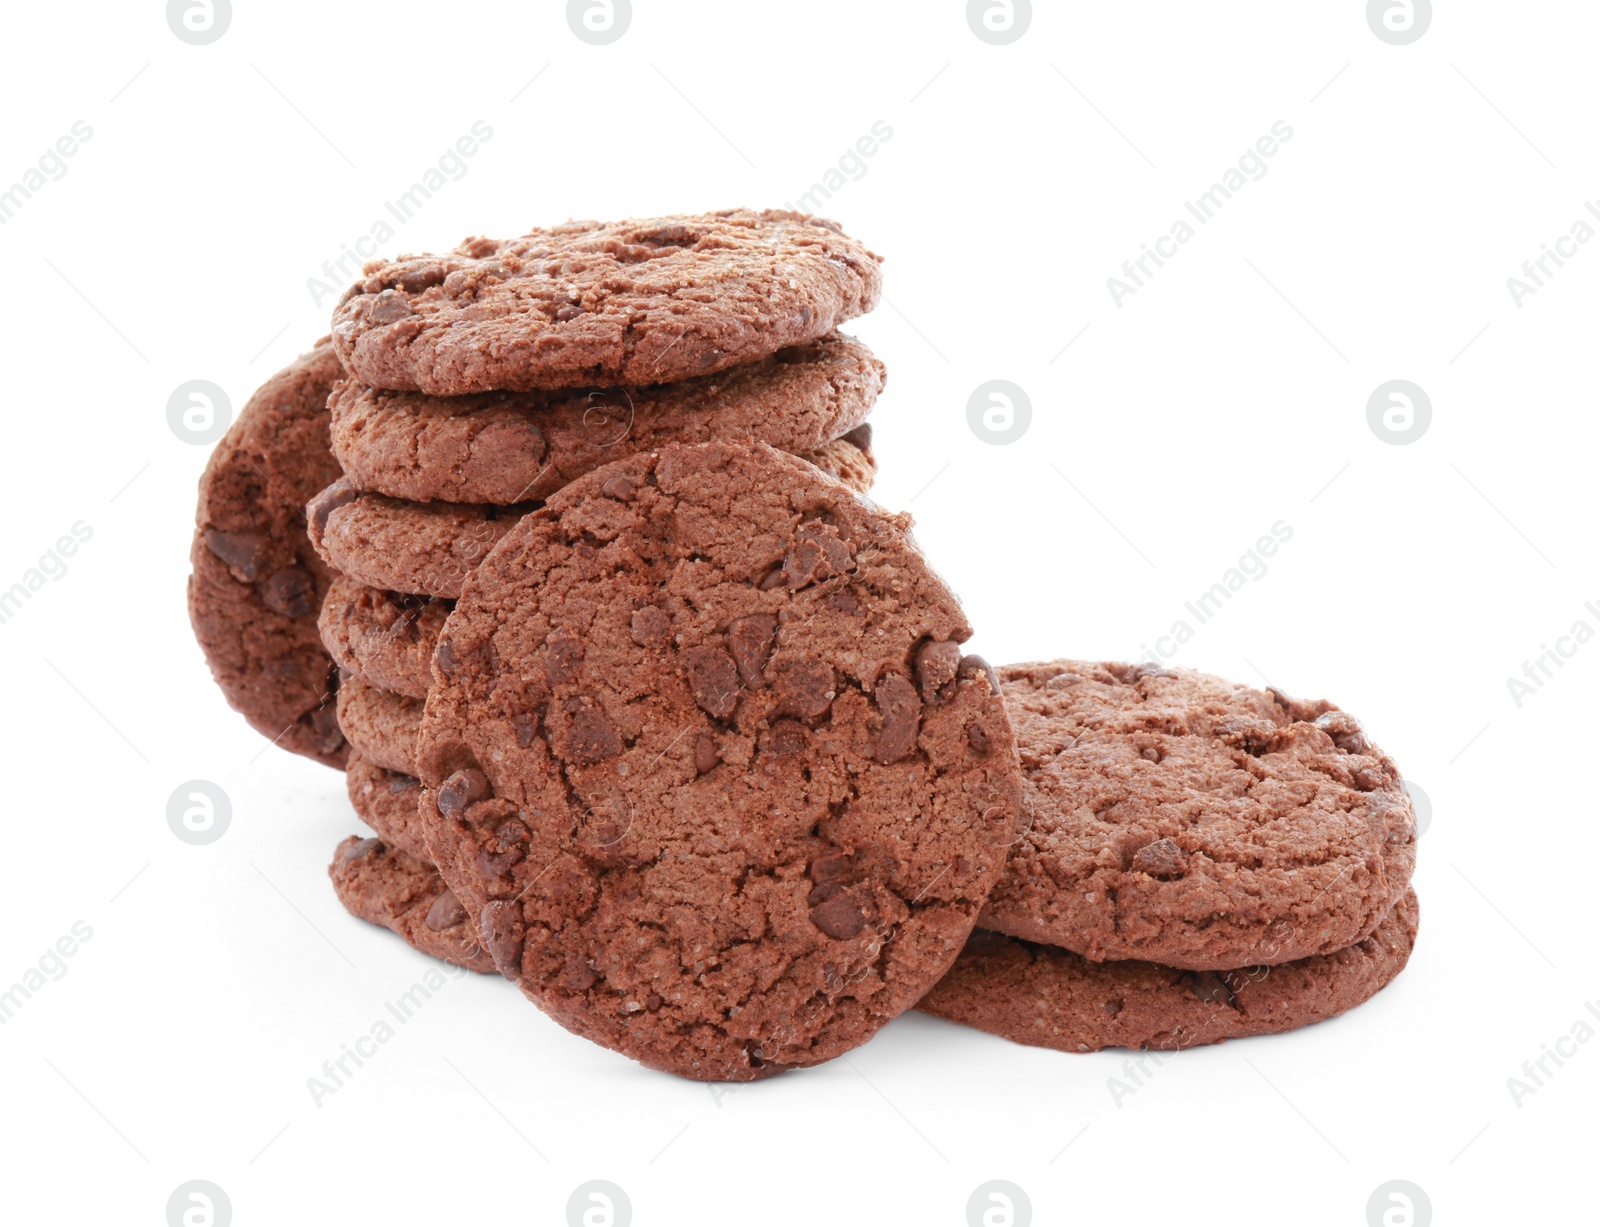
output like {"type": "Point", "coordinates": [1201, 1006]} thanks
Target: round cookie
{"type": "Point", "coordinates": [707, 762]}
{"type": "Point", "coordinates": [1196, 823]}
{"type": "Point", "coordinates": [387, 802]}
{"type": "Point", "coordinates": [256, 584]}
{"type": "Point", "coordinates": [387, 543]}
{"type": "Point", "coordinates": [632, 303]}
{"type": "Point", "coordinates": [384, 638]}
{"type": "Point", "coordinates": [386, 887]}
{"type": "Point", "coordinates": [1052, 998]}
{"type": "Point", "coordinates": [509, 447]}
{"type": "Point", "coordinates": [380, 725]}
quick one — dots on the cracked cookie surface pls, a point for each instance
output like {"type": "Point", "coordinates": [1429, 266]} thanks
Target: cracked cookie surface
{"type": "Point", "coordinates": [1184, 819]}
{"type": "Point", "coordinates": [1052, 998]}
{"type": "Point", "coordinates": [637, 302]}
{"type": "Point", "coordinates": [705, 758]}
{"type": "Point", "coordinates": [256, 584]}
{"type": "Point", "coordinates": [512, 447]}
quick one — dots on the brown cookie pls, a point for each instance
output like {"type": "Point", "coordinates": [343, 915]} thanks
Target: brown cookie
{"type": "Point", "coordinates": [505, 447]}
{"type": "Point", "coordinates": [706, 760]}
{"type": "Point", "coordinates": [1200, 824]}
{"type": "Point", "coordinates": [1052, 998]}
{"type": "Point", "coordinates": [848, 459]}
{"type": "Point", "coordinates": [633, 303]}
{"type": "Point", "coordinates": [387, 802]}
{"type": "Point", "coordinates": [398, 546]}
{"type": "Point", "coordinates": [386, 887]}
{"type": "Point", "coordinates": [257, 584]}
{"type": "Point", "coordinates": [380, 725]}
{"type": "Point", "coordinates": [384, 638]}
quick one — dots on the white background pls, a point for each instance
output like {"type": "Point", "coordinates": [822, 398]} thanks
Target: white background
{"type": "Point", "coordinates": [1226, 395]}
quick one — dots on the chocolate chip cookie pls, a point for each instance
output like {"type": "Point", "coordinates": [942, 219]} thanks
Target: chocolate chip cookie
{"type": "Point", "coordinates": [385, 638]}
{"type": "Point", "coordinates": [1186, 820]}
{"type": "Point", "coordinates": [707, 761]}
{"type": "Point", "coordinates": [1052, 998]}
{"type": "Point", "coordinates": [256, 583]}
{"type": "Point", "coordinates": [380, 725]}
{"type": "Point", "coordinates": [585, 304]}
{"type": "Point", "coordinates": [387, 802]}
{"type": "Point", "coordinates": [385, 886]}
{"type": "Point", "coordinates": [506, 447]}
{"type": "Point", "coordinates": [399, 546]}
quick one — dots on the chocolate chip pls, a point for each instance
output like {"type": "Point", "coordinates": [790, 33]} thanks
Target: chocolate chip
{"type": "Point", "coordinates": [1208, 986]}
{"type": "Point", "coordinates": [461, 790]}
{"type": "Point", "coordinates": [590, 737]}
{"type": "Point", "coordinates": [818, 553]}
{"type": "Point", "coordinates": [901, 711]}
{"type": "Point", "coordinates": [446, 912]}
{"type": "Point", "coordinates": [1248, 733]}
{"type": "Point", "coordinates": [503, 851]}
{"type": "Point", "coordinates": [977, 738]}
{"type": "Point", "coordinates": [1345, 731]}
{"type": "Point", "coordinates": [653, 1002]}
{"type": "Point", "coordinates": [402, 783]}
{"type": "Point", "coordinates": [771, 579]}
{"type": "Point", "coordinates": [241, 553]}
{"type": "Point", "coordinates": [936, 668]}
{"type": "Point", "coordinates": [619, 488]}
{"type": "Point", "coordinates": [713, 679]}
{"type": "Point", "coordinates": [563, 659]}
{"type": "Point", "coordinates": [860, 437]}
{"type": "Point", "coordinates": [445, 656]}
{"type": "Point", "coordinates": [788, 737]}
{"type": "Point", "coordinates": [1368, 779]}
{"type": "Point", "coordinates": [1151, 754]}
{"type": "Point", "coordinates": [650, 626]}
{"type": "Point", "coordinates": [321, 507]}
{"type": "Point", "coordinates": [502, 927]}
{"type": "Point", "coordinates": [1161, 859]}
{"type": "Point", "coordinates": [361, 847]}
{"type": "Point", "coordinates": [843, 601]}
{"type": "Point", "coordinates": [569, 312]}
{"type": "Point", "coordinates": [975, 666]}
{"type": "Point", "coordinates": [290, 591]}
{"type": "Point", "coordinates": [705, 754]}
{"type": "Point", "coordinates": [830, 867]}
{"type": "Point", "coordinates": [415, 280]}
{"type": "Point", "coordinates": [390, 307]}
{"type": "Point", "coordinates": [325, 730]}
{"type": "Point", "coordinates": [525, 724]}
{"type": "Point", "coordinates": [805, 689]}
{"type": "Point", "coordinates": [750, 640]}
{"type": "Point", "coordinates": [839, 916]}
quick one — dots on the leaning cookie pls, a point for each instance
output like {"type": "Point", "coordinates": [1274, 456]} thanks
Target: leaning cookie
{"type": "Point", "coordinates": [705, 758]}
{"type": "Point", "coordinates": [1194, 822]}
{"type": "Point", "coordinates": [257, 584]}
{"type": "Point", "coordinates": [588, 304]}
{"type": "Point", "coordinates": [510, 447]}
{"type": "Point", "coordinates": [386, 887]}
{"type": "Point", "coordinates": [1052, 998]}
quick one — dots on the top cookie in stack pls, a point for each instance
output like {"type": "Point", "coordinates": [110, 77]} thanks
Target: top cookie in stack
{"type": "Point", "coordinates": [482, 381]}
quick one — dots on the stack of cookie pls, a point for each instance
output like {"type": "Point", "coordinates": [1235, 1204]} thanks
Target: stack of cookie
{"type": "Point", "coordinates": [654, 714]}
